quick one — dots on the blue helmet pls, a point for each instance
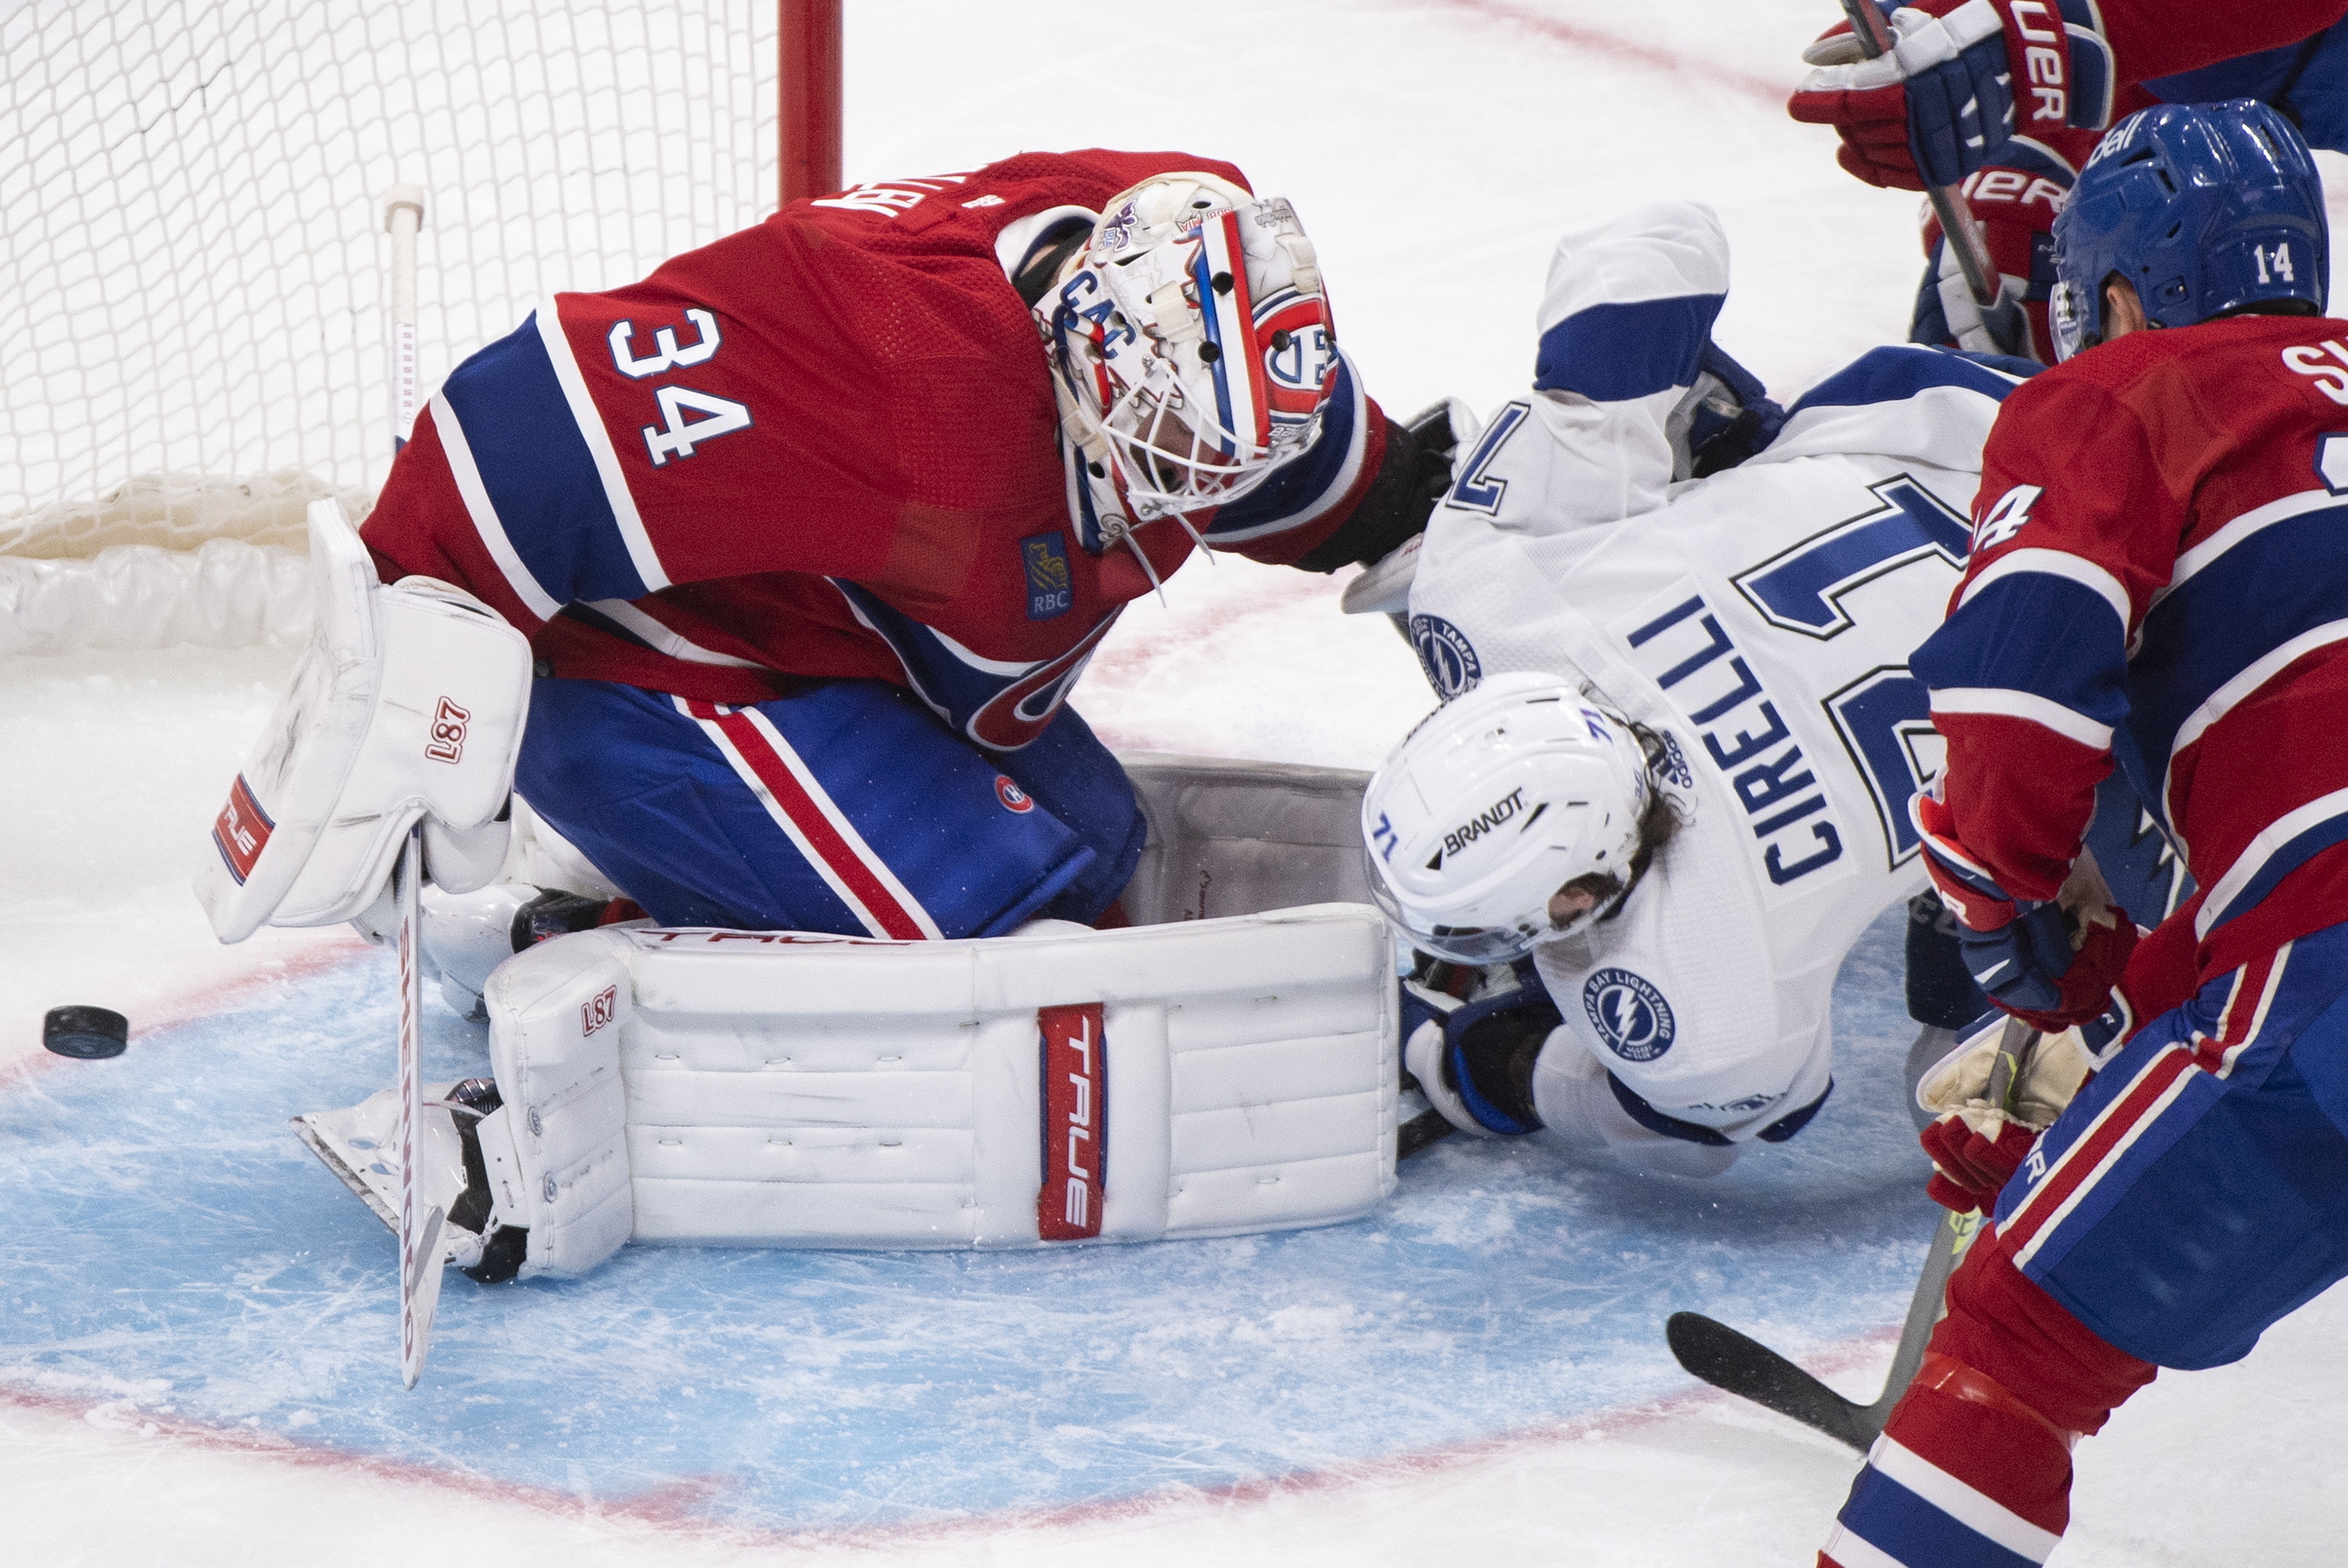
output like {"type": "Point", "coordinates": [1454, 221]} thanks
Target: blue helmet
{"type": "Point", "coordinates": [2204, 208]}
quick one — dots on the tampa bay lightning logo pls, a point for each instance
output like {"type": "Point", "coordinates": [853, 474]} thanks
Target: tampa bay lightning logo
{"type": "Point", "coordinates": [1446, 656]}
{"type": "Point", "coordinates": [1629, 1014]}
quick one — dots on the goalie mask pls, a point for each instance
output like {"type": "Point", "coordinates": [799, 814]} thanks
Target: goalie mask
{"type": "Point", "coordinates": [1487, 811]}
{"type": "Point", "coordinates": [1191, 349]}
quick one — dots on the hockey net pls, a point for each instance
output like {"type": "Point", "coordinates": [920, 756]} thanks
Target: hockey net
{"type": "Point", "coordinates": [191, 239]}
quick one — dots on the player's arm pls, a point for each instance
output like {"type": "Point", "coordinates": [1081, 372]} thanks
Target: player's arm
{"type": "Point", "coordinates": [1967, 75]}
{"type": "Point", "coordinates": [2072, 533]}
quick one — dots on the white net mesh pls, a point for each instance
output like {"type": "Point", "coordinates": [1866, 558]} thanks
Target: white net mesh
{"type": "Point", "coordinates": [192, 234]}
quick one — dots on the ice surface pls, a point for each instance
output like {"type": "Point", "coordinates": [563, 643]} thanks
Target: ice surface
{"type": "Point", "coordinates": [197, 1355]}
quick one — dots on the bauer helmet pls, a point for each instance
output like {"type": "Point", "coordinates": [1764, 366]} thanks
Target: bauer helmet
{"type": "Point", "coordinates": [2205, 208]}
{"type": "Point", "coordinates": [1494, 804]}
{"type": "Point", "coordinates": [1191, 346]}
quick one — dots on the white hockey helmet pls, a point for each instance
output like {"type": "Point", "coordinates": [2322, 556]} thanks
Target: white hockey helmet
{"type": "Point", "coordinates": [1492, 806]}
{"type": "Point", "coordinates": [1191, 346]}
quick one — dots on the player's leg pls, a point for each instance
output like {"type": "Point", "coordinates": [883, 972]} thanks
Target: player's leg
{"type": "Point", "coordinates": [2191, 1196]}
{"type": "Point", "coordinates": [846, 807]}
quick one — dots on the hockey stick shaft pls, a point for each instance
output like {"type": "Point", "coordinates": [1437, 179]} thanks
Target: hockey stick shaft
{"type": "Point", "coordinates": [1873, 31]}
{"type": "Point", "coordinates": [419, 1232]}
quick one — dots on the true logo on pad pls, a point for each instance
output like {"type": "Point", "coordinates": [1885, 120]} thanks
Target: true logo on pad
{"type": "Point", "coordinates": [241, 830]}
{"type": "Point", "coordinates": [1075, 1066]}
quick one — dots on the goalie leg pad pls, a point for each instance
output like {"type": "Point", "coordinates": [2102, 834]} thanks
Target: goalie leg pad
{"type": "Point", "coordinates": [1237, 837]}
{"type": "Point", "coordinates": [1210, 1078]}
{"type": "Point", "coordinates": [556, 1151]}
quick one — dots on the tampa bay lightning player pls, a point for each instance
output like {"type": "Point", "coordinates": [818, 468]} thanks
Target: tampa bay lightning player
{"type": "Point", "coordinates": [1672, 622]}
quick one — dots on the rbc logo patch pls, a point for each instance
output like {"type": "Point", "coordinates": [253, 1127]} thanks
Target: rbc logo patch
{"type": "Point", "coordinates": [1046, 563]}
{"type": "Point", "coordinates": [1629, 1014]}
{"type": "Point", "coordinates": [1014, 798]}
{"type": "Point", "coordinates": [1446, 656]}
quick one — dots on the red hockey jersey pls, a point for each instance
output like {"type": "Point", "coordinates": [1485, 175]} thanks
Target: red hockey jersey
{"type": "Point", "coordinates": [2159, 574]}
{"type": "Point", "coordinates": [825, 447]}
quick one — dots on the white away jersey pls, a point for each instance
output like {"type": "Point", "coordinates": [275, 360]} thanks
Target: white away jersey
{"type": "Point", "coordinates": [1760, 620]}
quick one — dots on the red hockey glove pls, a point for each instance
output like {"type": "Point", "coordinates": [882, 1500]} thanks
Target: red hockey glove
{"type": "Point", "coordinates": [2013, 204]}
{"type": "Point", "coordinates": [1970, 1168]}
{"type": "Point", "coordinates": [1963, 77]}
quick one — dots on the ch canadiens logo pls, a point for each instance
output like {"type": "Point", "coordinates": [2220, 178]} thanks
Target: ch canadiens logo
{"type": "Point", "coordinates": [1075, 1066]}
{"type": "Point", "coordinates": [599, 1010]}
{"type": "Point", "coordinates": [447, 742]}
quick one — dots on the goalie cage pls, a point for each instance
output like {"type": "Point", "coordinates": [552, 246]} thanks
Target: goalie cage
{"type": "Point", "coordinates": [191, 241]}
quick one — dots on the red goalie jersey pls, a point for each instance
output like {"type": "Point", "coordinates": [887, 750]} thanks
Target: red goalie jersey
{"type": "Point", "coordinates": [826, 447]}
{"type": "Point", "coordinates": [2159, 576]}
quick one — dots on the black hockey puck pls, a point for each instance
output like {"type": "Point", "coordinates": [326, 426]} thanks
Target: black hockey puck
{"type": "Point", "coordinates": [90, 1034]}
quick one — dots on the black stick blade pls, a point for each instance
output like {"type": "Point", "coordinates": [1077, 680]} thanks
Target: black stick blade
{"type": "Point", "coordinates": [1750, 1370]}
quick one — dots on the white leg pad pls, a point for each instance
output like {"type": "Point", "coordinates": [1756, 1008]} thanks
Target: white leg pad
{"type": "Point", "coordinates": [1234, 837]}
{"type": "Point", "coordinates": [556, 1150]}
{"type": "Point", "coordinates": [825, 1091]}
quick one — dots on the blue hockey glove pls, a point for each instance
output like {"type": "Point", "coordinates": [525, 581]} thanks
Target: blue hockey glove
{"type": "Point", "coordinates": [2022, 963]}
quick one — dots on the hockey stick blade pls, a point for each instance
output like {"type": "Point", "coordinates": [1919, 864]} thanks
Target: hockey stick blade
{"type": "Point", "coordinates": [1744, 1367]}
{"type": "Point", "coordinates": [419, 1300]}
{"type": "Point", "coordinates": [1423, 1131]}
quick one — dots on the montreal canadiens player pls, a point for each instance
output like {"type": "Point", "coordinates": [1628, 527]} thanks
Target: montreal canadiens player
{"type": "Point", "coordinates": [1672, 624]}
{"type": "Point", "coordinates": [2157, 585]}
{"type": "Point", "coordinates": [813, 529]}
{"type": "Point", "coordinates": [2009, 97]}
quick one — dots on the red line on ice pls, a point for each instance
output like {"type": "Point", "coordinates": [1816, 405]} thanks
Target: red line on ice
{"type": "Point", "coordinates": [1630, 52]}
{"type": "Point", "coordinates": [670, 1506]}
{"type": "Point", "coordinates": [281, 966]}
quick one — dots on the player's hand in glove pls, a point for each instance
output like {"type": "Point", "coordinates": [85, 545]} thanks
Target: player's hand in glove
{"type": "Point", "coordinates": [1977, 1143]}
{"type": "Point", "coordinates": [1474, 1058]}
{"type": "Point", "coordinates": [2013, 205]}
{"type": "Point", "coordinates": [1963, 77]}
{"type": "Point", "coordinates": [2052, 963]}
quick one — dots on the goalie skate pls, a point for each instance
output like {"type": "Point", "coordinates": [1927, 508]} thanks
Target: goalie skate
{"type": "Point", "coordinates": [359, 1145]}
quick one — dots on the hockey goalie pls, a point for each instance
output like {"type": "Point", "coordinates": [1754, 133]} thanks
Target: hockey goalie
{"type": "Point", "coordinates": [763, 582]}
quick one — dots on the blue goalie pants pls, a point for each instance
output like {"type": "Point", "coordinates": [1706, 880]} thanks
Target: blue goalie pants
{"type": "Point", "coordinates": [845, 807]}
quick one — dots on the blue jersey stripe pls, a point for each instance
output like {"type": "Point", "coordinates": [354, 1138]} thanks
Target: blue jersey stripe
{"type": "Point", "coordinates": [2031, 631]}
{"type": "Point", "coordinates": [539, 476]}
{"type": "Point", "coordinates": [1908, 1529]}
{"type": "Point", "coordinates": [1892, 374]}
{"type": "Point", "coordinates": [2198, 638]}
{"type": "Point", "coordinates": [1610, 353]}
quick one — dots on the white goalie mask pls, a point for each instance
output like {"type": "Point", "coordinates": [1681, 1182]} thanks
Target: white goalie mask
{"type": "Point", "coordinates": [1191, 347]}
{"type": "Point", "coordinates": [1492, 806]}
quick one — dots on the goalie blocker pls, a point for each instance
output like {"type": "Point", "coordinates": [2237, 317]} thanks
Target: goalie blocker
{"type": "Point", "coordinates": [1204, 1076]}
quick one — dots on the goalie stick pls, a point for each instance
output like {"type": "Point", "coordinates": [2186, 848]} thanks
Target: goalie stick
{"type": "Point", "coordinates": [1743, 1366]}
{"type": "Point", "coordinates": [420, 1257]}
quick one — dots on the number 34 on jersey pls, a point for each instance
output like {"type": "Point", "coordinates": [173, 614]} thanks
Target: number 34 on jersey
{"type": "Point", "coordinates": [688, 416]}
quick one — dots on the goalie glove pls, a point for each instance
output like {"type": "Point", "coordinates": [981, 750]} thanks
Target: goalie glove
{"type": "Point", "coordinates": [406, 704]}
{"type": "Point", "coordinates": [1976, 1143]}
{"type": "Point", "coordinates": [1963, 77]}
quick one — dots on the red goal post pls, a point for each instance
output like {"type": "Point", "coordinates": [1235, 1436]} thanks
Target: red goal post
{"type": "Point", "coordinates": [191, 235]}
